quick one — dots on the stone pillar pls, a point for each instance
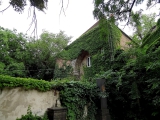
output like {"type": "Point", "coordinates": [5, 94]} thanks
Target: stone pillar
{"type": "Point", "coordinates": [103, 112]}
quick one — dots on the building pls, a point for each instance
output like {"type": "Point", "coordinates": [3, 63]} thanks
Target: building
{"type": "Point", "coordinates": [103, 37]}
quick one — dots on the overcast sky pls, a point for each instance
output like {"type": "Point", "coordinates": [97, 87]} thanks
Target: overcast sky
{"type": "Point", "coordinates": [77, 19]}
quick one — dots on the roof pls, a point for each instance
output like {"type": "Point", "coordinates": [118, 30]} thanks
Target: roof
{"type": "Point", "coordinates": [92, 27]}
{"type": "Point", "coordinates": [97, 24]}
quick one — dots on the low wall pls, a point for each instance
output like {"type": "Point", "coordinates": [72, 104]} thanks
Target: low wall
{"type": "Point", "coordinates": [15, 102]}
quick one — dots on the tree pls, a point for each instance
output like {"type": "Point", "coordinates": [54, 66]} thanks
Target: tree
{"type": "Point", "coordinates": [134, 86]}
{"type": "Point", "coordinates": [12, 52]}
{"type": "Point", "coordinates": [142, 24]}
{"type": "Point", "coordinates": [26, 57]}
{"type": "Point", "coordinates": [121, 9]}
{"type": "Point", "coordinates": [43, 54]}
{"type": "Point", "coordinates": [19, 5]}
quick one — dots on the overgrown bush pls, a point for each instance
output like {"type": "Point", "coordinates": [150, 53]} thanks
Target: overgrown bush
{"type": "Point", "coordinates": [26, 83]}
{"type": "Point", "coordinates": [133, 90]}
{"type": "Point", "coordinates": [75, 95]}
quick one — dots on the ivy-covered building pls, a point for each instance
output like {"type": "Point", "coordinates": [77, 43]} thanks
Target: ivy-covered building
{"type": "Point", "coordinates": [92, 52]}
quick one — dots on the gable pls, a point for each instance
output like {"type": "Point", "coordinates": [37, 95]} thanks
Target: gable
{"type": "Point", "coordinates": [98, 36]}
{"type": "Point", "coordinates": [85, 54]}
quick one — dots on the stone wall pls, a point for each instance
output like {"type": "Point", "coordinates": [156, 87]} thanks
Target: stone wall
{"type": "Point", "coordinates": [14, 102]}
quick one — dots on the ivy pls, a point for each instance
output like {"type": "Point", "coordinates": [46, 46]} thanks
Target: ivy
{"type": "Point", "coordinates": [132, 87]}
{"type": "Point", "coordinates": [75, 96]}
{"type": "Point", "coordinates": [92, 40]}
{"type": "Point", "coordinates": [102, 62]}
{"type": "Point", "coordinates": [104, 35]}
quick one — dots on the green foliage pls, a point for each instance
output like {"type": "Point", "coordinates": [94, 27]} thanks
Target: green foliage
{"type": "Point", "coordinates": [15, 69]}
{"type": "Point", "coordinates": [142, 24]}
{"type": "Point", "coordinates": [119, 9]}
{"type": "Point", "coordinates": [43, 53]}
{"type": "Point", "coordinates": [22, 56]}
{"type": "Point", "coordinates": [102, 62]}
{"type": "Point", "coordinates": [158, 23]}
{"type": "Point", "coordinates": [103, 36]}
{"type": "Point", "coordinates": [19, 5]}
{"type": "Point", "coordinates": [13, 52]}
{"type": "Point", "coordinates": [94, 39]}
{"type": "Point", "coordinates": [133, 89]}
{"type": "Point", "coordinates": [30, 116]}
{"type": "Point", "coordinates": [75, 96]}
{"type": "Point", "coordinates": [151, 39]}
{"type": "Point", "coordinates": [63, 72]}
{"type": "Point", "coordinates": [2, 66]}
{"type": "Point", "coordinates": [26, 83]}
{"type": "Point", "coordinates": [132, 80]}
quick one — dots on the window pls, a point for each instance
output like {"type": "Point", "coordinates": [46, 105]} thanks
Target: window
{"type": "Point", "coordinates": [89, 62]}
{"type": "Point", "coordinates": [102, 50]}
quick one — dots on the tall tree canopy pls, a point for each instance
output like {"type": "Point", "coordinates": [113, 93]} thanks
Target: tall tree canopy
{"type": "Point", "coordinates": [26, 57]}
{"type": "Point", "coordinates": [121, 9]}
{"type": "Point", "coordinates": [12, 52]}
{"type": "Point", "coordinates": [142, 24]}
{"type": "Point", "coordinates": [43, 54]}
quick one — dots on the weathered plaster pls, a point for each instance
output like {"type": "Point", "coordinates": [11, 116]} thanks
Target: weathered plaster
{"type": "Point", "coordinates": [15, 102]}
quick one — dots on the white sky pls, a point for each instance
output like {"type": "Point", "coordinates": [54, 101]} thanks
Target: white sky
{"type": "Point", "coordinates": [78, 19]}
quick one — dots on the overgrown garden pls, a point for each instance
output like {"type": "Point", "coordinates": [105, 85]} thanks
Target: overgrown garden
{"type": "Point", "coordinates": [132, 75]}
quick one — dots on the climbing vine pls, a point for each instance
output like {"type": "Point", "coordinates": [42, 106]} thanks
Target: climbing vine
{"type": "Point", "coordinates": [105, 36]}
{"type": "Point", "coordinates": [75, 96]}
{"type": "Point", "coordinates": [132, 82]}
{"type": "Point", "coordinates": [92, 40]}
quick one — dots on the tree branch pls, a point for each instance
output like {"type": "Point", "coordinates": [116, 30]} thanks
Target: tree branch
{"type": "Point", "coordinates": [132, 5]}
{"type": "Point", "coordinates": [62, 8]}
{"type": "Point", "coordinates": [67, 4]}
{"type": "Point", "coordinates": [5, 9]}
{"type": "Point", "coordinates": [29, 12]}
{"type": "Point", "coordinates": [126, 10]}
{"type": "Point", "coordinates": [152, 5]}
{"type": "Point", "coordinates": [34, 21]}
